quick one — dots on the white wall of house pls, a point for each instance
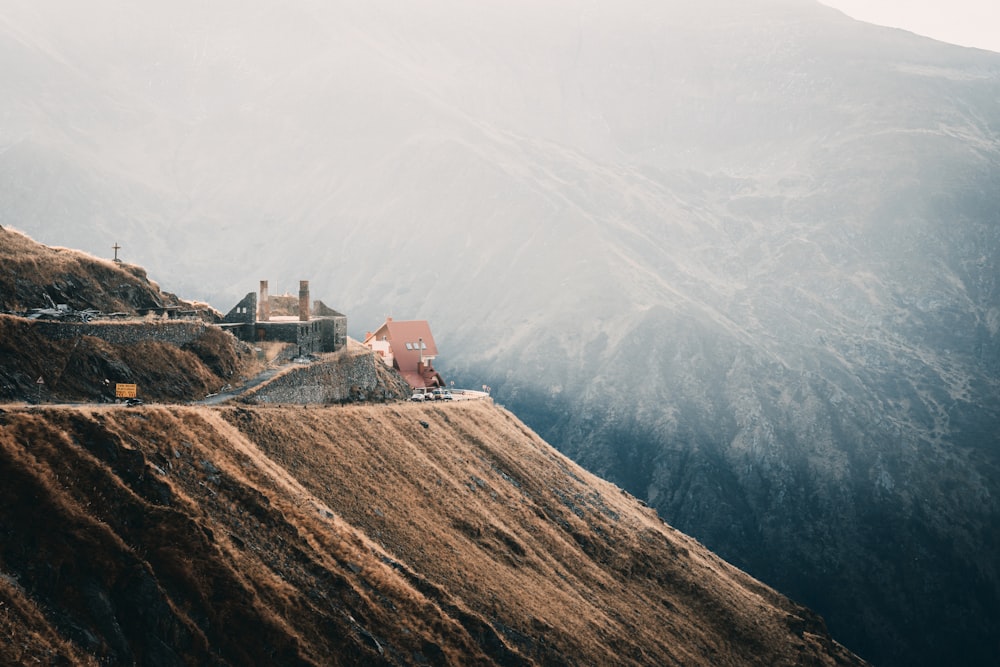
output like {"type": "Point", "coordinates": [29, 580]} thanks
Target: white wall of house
{"type": "Point", "coordinates": [383, 350]}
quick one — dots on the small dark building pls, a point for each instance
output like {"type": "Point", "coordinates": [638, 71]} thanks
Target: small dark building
{"type": "Point", "coordinates": [315, 330]}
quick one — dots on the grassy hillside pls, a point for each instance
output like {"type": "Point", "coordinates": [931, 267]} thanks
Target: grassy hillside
{"type": "Point", "coordinates": [87, 368]}
{"type": "Point", "coordinates": [399, 534]}
{"type": "Point", "coordinates": [33, 275]}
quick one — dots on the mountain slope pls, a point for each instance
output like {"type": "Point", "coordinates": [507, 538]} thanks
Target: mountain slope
{"type": "Point", "coordinates": [37, 276]}
{"type": "Point", "coordinates": [740, 255]}
{"type": "Point", "coordinates": [88, 351]}
{"type": "Point", "coordinates": [362, 535]}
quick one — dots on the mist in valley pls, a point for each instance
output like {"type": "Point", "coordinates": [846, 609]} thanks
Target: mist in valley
{"type": "Point", "coordinates": [737, 257]}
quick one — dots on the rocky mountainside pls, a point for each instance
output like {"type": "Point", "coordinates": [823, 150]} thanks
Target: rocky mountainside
{"type": "Point", "coordinates": [87, 367]}
{"type": "Point", "coordinates": [36, 276]}
{"type": "Point", "coordinates": [445, 535]}
{"type": "Point", "coordinates": [739, 257]}
{"type": "Point", "coordinates": [45, 289]}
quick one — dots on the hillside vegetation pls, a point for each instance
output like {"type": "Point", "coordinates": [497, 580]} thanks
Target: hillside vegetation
{"type": "Point", "coordinates": [86, 367]}
{"type": "Point", "coordinates": [399, 534]}
{"type": "Point", "coordinates": [33, 275]}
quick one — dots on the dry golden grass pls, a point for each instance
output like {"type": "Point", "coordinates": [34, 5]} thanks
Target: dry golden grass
{"type": "Point", "coordinates": [33, 275]}
{"type": "Point", "coordinates": [75, 369]}
{"type": "Point", "coordinates": [364, 535]}
{"type": "Point", "coordinates": [26, 638]}
{"type": "Point", "coordinates": [271, 349]}
{"type": "Point", "coordinates": [28, 270]}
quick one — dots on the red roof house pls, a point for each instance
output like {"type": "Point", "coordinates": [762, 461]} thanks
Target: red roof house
{"type": "Point", "coordinates": [408, 346]}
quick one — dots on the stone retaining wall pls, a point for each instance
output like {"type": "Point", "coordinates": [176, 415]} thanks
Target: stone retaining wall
{"type": "Point", "coordinates": [125, 333]}
{"type": "Point", "coordinates": [344, 378]}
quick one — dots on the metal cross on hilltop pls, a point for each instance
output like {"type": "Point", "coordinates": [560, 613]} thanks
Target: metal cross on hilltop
{"type": "Point", "coordinates": [116, 248]}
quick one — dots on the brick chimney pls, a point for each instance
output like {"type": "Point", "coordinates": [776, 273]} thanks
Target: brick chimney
{"type": "Point", "coordinates": [264, 304]}
{"type": "Point", "coordinates": [303, 300]}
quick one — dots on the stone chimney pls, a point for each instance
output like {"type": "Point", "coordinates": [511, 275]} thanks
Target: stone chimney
{"type": "Point", "coordinates": [303, 300]}
{"type": "Point", "coordinates": [264, 305]}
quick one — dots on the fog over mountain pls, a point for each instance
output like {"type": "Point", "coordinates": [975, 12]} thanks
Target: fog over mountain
{"type": "Point", "coordinates": [739, 257]}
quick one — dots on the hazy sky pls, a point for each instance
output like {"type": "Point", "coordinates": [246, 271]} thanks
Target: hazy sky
{"type": "Point", "coordinates": [966, 22]}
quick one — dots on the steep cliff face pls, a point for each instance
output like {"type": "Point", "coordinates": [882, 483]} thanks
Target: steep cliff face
{"type": "Point", "coordinates": [367, 535]}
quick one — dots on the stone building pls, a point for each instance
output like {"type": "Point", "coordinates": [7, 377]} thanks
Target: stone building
{"type": "Point", "coordinates": [315, 329]}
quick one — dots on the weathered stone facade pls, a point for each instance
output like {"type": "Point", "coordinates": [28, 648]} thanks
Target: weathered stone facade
{"type": "Point", "coordinates": [320, 330]}
{"type": "Point", "coordinates": [244, 312]}
{"type": "Point", "coordinates": [306, 335]}
{"type": "Point", "coordinates": [333, 326]}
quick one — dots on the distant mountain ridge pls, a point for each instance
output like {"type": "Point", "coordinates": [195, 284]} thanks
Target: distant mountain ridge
{"type": "Point", "coordinates": [740, 257]}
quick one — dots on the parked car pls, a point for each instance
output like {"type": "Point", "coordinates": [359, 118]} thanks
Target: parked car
{"type": "Point", "coordinates": [442, 395]}
{"type": "Point", "coordinates": [419, 396]}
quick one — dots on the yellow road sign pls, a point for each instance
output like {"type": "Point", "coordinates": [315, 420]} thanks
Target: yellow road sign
{"type": "Point", "coordinates": [125, 390]}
